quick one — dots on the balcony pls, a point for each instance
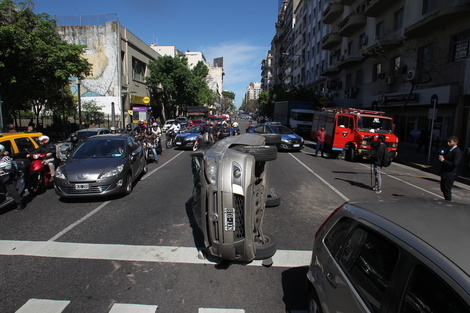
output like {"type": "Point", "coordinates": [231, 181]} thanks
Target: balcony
{"type": "Point", "coordinates": [352, 23]}
{"type": "Point", "coordinates": [332, 12]}
{"type": "Point", "coordinates": [330, 72]}
{"type": "Point", "coordinates": [438, 18]}
{"type": "Point", "coordinates": [375, 7]}
{"type": "Point", "coordinates": [331, 41]}
{"type": "Point", "coordinates": [346, 61]}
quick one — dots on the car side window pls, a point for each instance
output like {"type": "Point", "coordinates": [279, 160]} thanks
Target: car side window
{"type": "Point", "coordinates": [370, 260]}
{"type": "Point", "coordinates": [259, 129]}
{"type": "Point", "coordinates": [428, 293]}
{"type": "Point", "coordinates": [24, 144]}
{"type": "Point", "coordinates": [7, 145]}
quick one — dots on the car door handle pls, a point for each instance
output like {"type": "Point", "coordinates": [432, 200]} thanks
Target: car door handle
{"type": "Point", "coordinates": [331, 279]}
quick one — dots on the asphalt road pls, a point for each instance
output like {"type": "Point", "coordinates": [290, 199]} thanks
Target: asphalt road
{"type": "Point", "coordinates": [139, 253]}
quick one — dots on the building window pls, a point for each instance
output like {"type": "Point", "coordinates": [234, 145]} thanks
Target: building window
{"type": "Point", "coordinates": [377, 73]}
{"type": "Point", "coordinates": [425, 57]}
{"type": "Point", "coordinates": [379, 30]}
{"type": "Point", "coordinates": [395, 64]}
{"type": "Point", "coordinates": [138, 70]}
{"type": "Point", "coordinates": [428, 6]}
{"type": "Point", "coordinates": [460, 46]}
{"type": "Point", "coordinates": [359, 75]}
{"type": "Point", "coordinates": [350, 47]}
{"type": "Point", "coordinates": [398, 19]}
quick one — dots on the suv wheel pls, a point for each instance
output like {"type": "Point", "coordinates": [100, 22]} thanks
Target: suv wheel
{"type": "Point", "coordinates": [313, 303]}
{"type": "Point", "coordinates": [261, 153]}
{"type": "Point", "coordinates": [266, 248]}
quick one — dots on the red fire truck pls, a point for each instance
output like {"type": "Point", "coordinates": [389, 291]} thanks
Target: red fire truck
{"type": "Point", "coordinates": [353, 130]}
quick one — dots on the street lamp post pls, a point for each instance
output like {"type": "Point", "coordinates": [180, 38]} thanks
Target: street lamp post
{"type": "Point", "coordinates": [79, 103]}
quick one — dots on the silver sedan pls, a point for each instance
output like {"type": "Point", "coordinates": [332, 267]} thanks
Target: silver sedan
{"type": "Point", "coordinates": [102, 165]}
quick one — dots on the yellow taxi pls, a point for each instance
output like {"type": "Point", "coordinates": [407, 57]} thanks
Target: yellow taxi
{"type": "Point", "coordinates": [18, 144]}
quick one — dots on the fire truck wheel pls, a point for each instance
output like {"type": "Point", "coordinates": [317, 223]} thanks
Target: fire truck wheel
{"type": "Point", "coordinates": [350, 155]}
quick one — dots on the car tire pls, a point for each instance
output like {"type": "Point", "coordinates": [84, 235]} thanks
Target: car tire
{"type": "Point", "coordinates": [261, 153]}
{"type": "Point", "coordinates": [272, 139]}
{"type": "Point", "coordinates": [128, 184]}
{"type": "Point", "coordinates": [313, 303]}
{"type": "Point", "coordinates": [265, 250]}
{"type": "Point", "coordinates": [146, 168]}
{"type": "Point", "coordinates": [273, 201]}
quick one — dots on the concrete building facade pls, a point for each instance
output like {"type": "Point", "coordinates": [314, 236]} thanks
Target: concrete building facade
{"type": "Point", "coordinates": [401, 57]}
{"type": "Point", "coordinates": [120, 64]}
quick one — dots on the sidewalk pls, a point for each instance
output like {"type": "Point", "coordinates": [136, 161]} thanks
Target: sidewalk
{"type": "Point", "coordinates": [407, 155]}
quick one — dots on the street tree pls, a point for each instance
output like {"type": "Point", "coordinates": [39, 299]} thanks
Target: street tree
{"type": "Point", "coordinates": [35, 63]}
{"type": "Point", "coordinates": [174, 86]}
{"type": "Point", "coordinates": [226, 102]}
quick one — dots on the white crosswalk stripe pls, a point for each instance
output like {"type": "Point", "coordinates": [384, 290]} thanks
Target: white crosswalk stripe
{"type": "Point", "coordinates": [43, 306]}
{"type": "Point", "coordinates": [57, 306]}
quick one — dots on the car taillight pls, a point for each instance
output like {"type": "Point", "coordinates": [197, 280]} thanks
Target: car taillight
{"type": "Point", "coordinates": [326, 220]}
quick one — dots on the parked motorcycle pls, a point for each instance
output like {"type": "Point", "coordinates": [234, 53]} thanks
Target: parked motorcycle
{"type": "Point", "coordinates": [6, 199]}
{"type": "Point", "coordinates": [39, 176]}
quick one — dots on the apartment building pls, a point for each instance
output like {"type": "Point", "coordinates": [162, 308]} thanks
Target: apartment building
{"type": "Point", "coordinates": [252, 92]}
{"type": "Point", "coordinates": [119, 65]}
{"type": "Point", "coordinates": [402, 57]}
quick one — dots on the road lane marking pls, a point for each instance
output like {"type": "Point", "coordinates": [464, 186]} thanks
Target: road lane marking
{"type": "Point", "coordinates": [209, 310]}
{"type": "Point", "coordinates": [133, 308]}
{"type": "Point", "coordinates": [136, 253]}
{"type": "Point", "coordinates": [66, 230]}
{"type": "Point", "coordinates": [405, 182]}
{"type": "Point", "coordinates": [321, 179]}
{"type": "Point", "coordinates": [164, 164]}
{"type": "Point", "coordinates": [43, 305]}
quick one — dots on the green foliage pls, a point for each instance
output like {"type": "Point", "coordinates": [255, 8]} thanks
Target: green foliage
{"type": "Point", "coordinates": [175, 86]}
{"type": "Point", "coordinates": [92, 112]}
{"type": "Point", "coordinates": [35, 63]}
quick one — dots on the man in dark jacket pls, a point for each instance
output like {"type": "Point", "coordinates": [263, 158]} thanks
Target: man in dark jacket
{"type": "Point", "coordinates": [450, 161]}
{"type": "Point", "coordinates": [377, 158]}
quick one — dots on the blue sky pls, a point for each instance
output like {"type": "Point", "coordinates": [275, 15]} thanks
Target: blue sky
{"type": "Point", "coordinates": [240, 31]}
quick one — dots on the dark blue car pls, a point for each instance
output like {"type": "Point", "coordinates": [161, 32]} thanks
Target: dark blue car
{"type": "Point", "coordinates": [289, 140]}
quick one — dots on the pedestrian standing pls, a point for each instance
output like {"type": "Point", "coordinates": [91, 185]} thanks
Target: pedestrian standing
{"type": "Point", "coordinates": [82, 125]}
{"type": "Point", "coordinates": [450, 160]}
{"type": "Point", "coordinates": [321, 135]}
{"type": "Point", "coordinates": [377, 157]}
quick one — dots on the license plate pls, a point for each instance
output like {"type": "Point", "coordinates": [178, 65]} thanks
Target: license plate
{"type": "Point", "coordinates": [178, 143]}
{"type": "Point", "coordinates": [82, 186]}
{"type": "Point", "coordinates": [229, 219]}
{"type": "Point", "coordinates": [296, 145]}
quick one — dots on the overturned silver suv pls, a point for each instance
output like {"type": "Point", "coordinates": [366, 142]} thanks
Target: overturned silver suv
{"type": "Point", "coordinates": [230, 194]}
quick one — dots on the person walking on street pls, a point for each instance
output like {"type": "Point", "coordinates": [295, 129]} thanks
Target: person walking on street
{"type": "Point", "coordinates": [377, 157]}
{"type": "Point", "coordinates": [450, 160]}
{"type": "Point", "coordinates": [321, 135]}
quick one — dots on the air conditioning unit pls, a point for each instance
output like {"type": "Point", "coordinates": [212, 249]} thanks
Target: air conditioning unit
{"type": "Point", "coordinates": [411, 74]}
{"type": "Point", "coordinates": [390, 80]}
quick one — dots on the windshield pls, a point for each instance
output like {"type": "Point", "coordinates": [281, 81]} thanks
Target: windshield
{"type": "Point", "coordinates": [299, 116]}
{"type": "Point", "coordinates": [375, 124]}
{"type": "Point", "coordinates": [282, 130]}
{"type": "Point", "coordinates": [100, 148]}
{"type": "Point", "coordinates": [83, 135]}
{"type": "Point", "coordinates": [195, 129]}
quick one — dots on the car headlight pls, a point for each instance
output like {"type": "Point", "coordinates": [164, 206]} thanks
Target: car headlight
{"type": "Point", "coordinates": [285, 140]}
{"type": "Point", "coordinates": [364, 142]}
{"type": "Point", "coordinates": [236, 173]}
{"type": "Point", "coordinates": [114, 172]}
{"type": "Point", "coordinates": [59, 173]}
{"type": "Point", "coordinates": [211, 170]}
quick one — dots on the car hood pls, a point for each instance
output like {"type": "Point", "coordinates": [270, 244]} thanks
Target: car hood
{"type": "Point", "coordinates": [290, 136]}
{"type": "Point", "coordinates": [188, 135]}
{"type": "Point", "coordinates": [89, 169]}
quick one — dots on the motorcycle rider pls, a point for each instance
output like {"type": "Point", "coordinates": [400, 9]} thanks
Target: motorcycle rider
{"type": "Point", "coordinates": [151, 138]}
{"type": "Point", "coordinates": [113, 130]}
{"type": "Point", "coordinates": [128, 130]}
{"type": "Point", "coordinates": [174, 129]}
{"type": "Point", "coordinates": [6, 166]}
{"type": "Point", "coordinates": [236, 130]}
{"type": "Point", "coordinates": [48, 148]}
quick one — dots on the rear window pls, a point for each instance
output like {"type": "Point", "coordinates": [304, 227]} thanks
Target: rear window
{"type": "Point", "coordinates": [428, 293]}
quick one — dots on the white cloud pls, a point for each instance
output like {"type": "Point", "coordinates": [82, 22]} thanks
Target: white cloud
{"type": "Point", "coordinates": [242, 64]}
